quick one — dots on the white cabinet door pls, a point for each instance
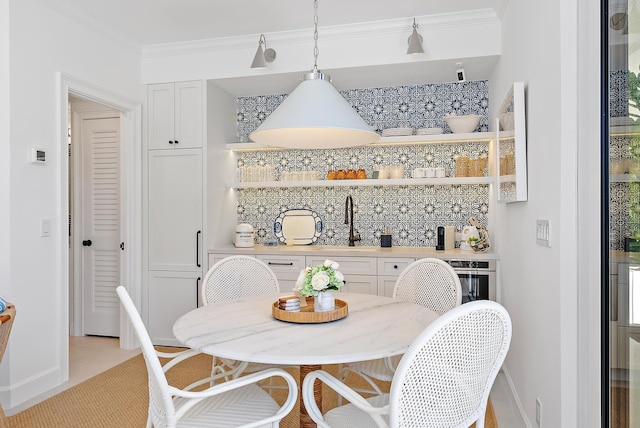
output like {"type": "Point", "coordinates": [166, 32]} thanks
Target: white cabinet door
{"type": "Point", "coordinates": [188, 115]}
{"type": "Point", "coordinates": [171, 295]}
{"type": "Point", "coordinates": [175, 117]}
{"type": "Point", "coordinates": [364, 284]}
{"type": "Point", "coordinates": [386, 284]}
{"type": "Point", "coordinates": [175, 210]}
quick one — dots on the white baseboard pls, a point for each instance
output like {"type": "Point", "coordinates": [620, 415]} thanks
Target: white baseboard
{"type": "Point", "coordinates": [19, 396]}
{"type": "Point", "coordinates": [515, 399]}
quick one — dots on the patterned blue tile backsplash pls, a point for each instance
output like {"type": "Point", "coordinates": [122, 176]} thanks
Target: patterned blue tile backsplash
{"type": "Point", "coordinates": [417, 106]}
{"type": "Point", "coordinates": [411, 213]}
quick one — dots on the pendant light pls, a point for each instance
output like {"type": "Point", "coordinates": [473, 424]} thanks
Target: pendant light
{"type": "Point", "coordinates": [314, 115]}
{"type": "Point", "coordinates": [415, 41]}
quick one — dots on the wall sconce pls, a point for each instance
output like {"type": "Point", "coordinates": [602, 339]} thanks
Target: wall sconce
{"type": "Point", "coordinates": [460, 72]}
{"type": "Point", "coordinates": [415, 40]}
{"type": "Point", "coordinates": [263, 56]}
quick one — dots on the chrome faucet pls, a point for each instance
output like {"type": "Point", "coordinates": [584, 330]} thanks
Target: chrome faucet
{"type": "Point", "coordinates": [348, 219]}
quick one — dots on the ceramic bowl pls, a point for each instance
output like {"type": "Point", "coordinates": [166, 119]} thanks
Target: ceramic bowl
{"type": "Point", "coordinates": [463, 124]}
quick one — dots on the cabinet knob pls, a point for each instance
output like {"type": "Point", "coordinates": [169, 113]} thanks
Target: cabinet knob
{"type": "Point", "coordinates": [170, 142]}
{"type": "Point", "coordinates": [175, 142]}
{"type": "Point", "coordinates": [395, 266]}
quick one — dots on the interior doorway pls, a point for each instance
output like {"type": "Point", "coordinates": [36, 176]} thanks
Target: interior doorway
{"type": "Point", "coordinates": [95, 241]}
{"type": "Point", "coordinates": [130, 118]}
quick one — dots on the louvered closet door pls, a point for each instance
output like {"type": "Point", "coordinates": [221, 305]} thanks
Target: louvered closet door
{"type": "Point", "coordinates": [101, 225]}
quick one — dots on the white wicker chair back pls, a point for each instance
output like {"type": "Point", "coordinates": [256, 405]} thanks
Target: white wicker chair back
{"type": "Point", "coordinates": [431, 283]}
{"type": "Point", "coordinates": [445, 377]}
{"type": "Point", "coordinates": [236, 277]}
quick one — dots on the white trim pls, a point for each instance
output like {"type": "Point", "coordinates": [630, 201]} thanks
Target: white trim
{"type": "Point", "coordinates": [568, 230]}
{"type": "Point", "coordinates": [589, 243]}
{"type": "Point", "coordinates": [516, 398]}
{"type": "Point", "coordinates": [337, 32]}
{"type": "Point", "coordinates": [131, 119]}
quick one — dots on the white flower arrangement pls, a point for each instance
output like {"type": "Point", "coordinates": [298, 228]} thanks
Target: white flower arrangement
{"type": "Point", "coordinates": [324, 277]}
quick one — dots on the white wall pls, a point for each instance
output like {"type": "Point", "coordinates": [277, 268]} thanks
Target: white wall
{"type": "Point", "coordinates": [5, 163]}
{"type": "Point", "coordinates": [540, 285]}
{"type": "Point", "coordinates": [42, 43]}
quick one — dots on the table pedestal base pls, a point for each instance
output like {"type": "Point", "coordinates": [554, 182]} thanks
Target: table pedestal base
{"type": "Point", "coordinates": [305, 420]}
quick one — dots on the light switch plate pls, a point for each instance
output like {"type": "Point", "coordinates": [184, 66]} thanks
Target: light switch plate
{"type": "Point", "coordinates": [542, 233]}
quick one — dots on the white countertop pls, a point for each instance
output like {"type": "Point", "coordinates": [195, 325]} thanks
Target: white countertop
{"type": "Point", "coordinates": [357, 251]}
{"type": "Point", "coordinates": [375, 327]}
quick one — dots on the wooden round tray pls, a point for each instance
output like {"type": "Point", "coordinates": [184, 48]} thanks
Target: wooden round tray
{"type": "Point", "coordinates": [308, 316]}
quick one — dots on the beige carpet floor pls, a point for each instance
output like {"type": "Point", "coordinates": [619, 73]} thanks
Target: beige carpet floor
{"type": "Point", "coordinates": [119, 398]}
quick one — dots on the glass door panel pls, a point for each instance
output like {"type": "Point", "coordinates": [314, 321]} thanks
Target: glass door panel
{"type": "Point", "coordinates": [623, 209]}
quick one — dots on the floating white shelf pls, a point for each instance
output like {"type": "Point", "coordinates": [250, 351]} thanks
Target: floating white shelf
{"type": "Point", "coordinates": [395, 141]}
{"type": "Point", "coordinates": [447, 181]}
{"type": "Point", "coordinates": [507, 179]}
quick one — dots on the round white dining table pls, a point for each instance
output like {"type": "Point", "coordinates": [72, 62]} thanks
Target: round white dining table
{"type": "Point", "coordinates": [375, 327]}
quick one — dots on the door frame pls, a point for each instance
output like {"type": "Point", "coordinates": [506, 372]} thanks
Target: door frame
{"type": "Point", "coordinates": [131, 174]}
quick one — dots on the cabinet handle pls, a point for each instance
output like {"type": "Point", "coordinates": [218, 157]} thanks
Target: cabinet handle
{"type": "Point", "coordinates": [197, 289]}
{"type": "Point", "coordinates": [280, 264]}
{"type": "Point", "coordinates": [198, 248]}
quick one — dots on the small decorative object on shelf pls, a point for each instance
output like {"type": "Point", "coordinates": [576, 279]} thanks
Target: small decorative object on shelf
{"type": "Point", "coordinates": [320, 282]}
{"type": "Point", "coordinates": [480, 243]}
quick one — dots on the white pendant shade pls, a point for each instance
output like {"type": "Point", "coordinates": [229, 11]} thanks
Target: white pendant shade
{"type": "Point", "coordinates": [314, 116]}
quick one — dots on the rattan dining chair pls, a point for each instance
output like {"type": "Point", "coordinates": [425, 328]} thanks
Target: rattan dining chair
{"type": "Point", "coordinates": [237, 402]}
{"type": "Point", "coordinates": [233, 278]}
{"type": "Point", "coordinates": [6, 323]}
{"type": "Point", "coordinates": [429, 282]}
{"type": "Point", "coordinates": [443, 380]}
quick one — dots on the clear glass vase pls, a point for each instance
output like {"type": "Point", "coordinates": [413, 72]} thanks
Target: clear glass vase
{"type": "Point", "coordinates": [324, 301]}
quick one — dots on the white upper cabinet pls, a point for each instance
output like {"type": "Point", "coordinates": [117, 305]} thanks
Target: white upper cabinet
{"type": "Point", "coordinates": [175, 115]}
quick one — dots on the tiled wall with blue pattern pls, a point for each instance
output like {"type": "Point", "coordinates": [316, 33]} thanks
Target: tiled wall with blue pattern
{"type": "Point", "coordinates": [411, 213]}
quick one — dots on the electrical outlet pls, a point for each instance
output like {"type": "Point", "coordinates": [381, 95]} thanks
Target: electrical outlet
{"type": "Point", "coordinates": [538, 411]}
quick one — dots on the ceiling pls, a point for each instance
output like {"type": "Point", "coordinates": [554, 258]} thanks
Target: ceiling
{"type": "Point", "coordinates": [149, 22]}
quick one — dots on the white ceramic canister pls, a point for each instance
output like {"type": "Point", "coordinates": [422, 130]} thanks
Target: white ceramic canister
{"type": "Point", "coordinates": [244, 235]}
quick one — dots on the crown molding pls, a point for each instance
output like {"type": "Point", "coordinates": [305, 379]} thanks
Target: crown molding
{"type": "Point", "coordinates": [359, 30]}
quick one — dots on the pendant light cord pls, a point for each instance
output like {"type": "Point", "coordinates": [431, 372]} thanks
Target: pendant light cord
{"type": "Point", "coordinates": [315, 36]}
{"type": "Point", "coordinates": [315, 74]}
